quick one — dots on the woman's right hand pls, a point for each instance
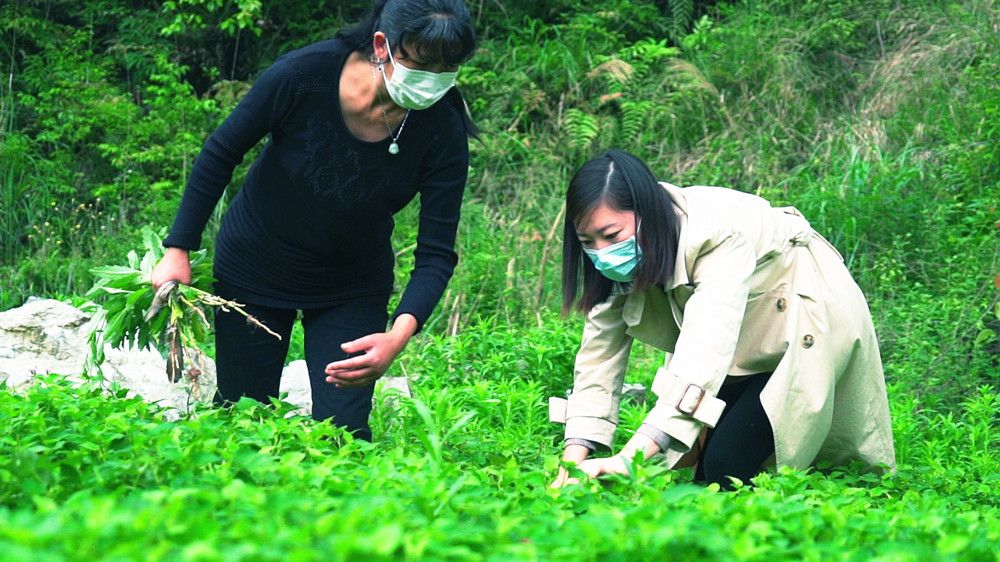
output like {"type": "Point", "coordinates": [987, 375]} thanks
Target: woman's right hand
{"type": "Point", "coordinates": [572, 453]}
{"type": "Point", "coordinates": [174, 266]}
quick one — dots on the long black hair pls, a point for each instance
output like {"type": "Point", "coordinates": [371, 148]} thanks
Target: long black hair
{"type": "Point", "coordinates": [623, 182]}
{"type": "Point", "coordinates": [439, 31]}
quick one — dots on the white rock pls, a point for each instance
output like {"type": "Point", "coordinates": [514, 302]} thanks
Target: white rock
{"type": "Point", "coordinates": [634, 392]}
{"type": "Point", "coordinates": [295, 381]}
{"type": "Point", "coordinates": [402, 384]}
{"type": "Point", "coordinates": [48, 336]}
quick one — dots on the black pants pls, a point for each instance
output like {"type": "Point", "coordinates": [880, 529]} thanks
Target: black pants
{"type": "Point", "coordinates": [249, 361]}
{"type": "Point", "coordinates": [742, 440]}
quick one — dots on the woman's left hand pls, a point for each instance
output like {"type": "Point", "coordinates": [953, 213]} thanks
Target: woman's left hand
{"type": "Point", "coordinates": [377, 352]}
{"type": "Point", "coordinates": [615, 464]}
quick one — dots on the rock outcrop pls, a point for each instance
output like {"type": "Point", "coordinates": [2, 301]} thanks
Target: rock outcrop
{"type": "Point", "coordinates": [49, 336]}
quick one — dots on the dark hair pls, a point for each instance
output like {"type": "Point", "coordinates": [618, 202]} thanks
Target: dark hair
{"type": "Point", "coordinates": [624, 183]}
{"type": "Point", "coordinates": [439, 31]}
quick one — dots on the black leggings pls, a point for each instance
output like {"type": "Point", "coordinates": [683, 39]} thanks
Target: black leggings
{"type": "Point", "coordinates": [742, 440]}
{"type": "Point", "coordinates": [249, 361]}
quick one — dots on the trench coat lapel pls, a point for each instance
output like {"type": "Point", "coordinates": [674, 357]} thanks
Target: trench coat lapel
{"type": "Point", "coordinates": [643, 310]}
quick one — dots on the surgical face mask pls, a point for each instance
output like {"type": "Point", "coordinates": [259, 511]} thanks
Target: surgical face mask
{"type": "Point", "coordinates": [618, 261]}
{"type": "Point", "coordinates": [416, 89]}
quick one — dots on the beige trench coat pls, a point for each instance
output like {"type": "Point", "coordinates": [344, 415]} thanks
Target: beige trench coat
{"type": "Point", "coordinates": [755, 290]}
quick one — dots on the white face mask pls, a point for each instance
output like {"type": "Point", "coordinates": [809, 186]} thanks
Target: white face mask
{"type": "Point", "coordinates": [416, 89]}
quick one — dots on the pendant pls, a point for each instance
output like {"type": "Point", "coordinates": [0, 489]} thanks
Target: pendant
{"type": "Point", "coordinates": [393, 148]}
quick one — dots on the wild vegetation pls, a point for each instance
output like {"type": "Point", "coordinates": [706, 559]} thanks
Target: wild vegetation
{"type": "Point", "coordinates": [879, 120]}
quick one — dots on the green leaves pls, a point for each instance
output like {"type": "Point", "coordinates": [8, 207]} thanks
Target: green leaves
{"type": "Point", "coordinates": [124, 293]}
{"type": "Point", "coordinates": [87, 475]}
{"type": "Point", "coordinates": [127, 312]}
{"type": "Point", "coordinates": [581, 128]}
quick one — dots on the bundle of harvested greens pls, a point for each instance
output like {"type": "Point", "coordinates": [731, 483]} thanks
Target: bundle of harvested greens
{"type": "Point", "coordinates": [128, 312]}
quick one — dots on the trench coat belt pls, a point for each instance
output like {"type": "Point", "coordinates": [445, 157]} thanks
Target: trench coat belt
{"type": "Point", "coordinates": [688, 398]}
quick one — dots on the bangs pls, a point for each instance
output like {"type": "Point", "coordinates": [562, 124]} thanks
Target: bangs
{"type": "Point", "coordinates": [439, 39]}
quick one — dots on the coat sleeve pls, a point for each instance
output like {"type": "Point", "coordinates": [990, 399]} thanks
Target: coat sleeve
{"type": "Point", "coordinates": [592, 409]}
{"type": "Point", "coordinates": [259, 113]}
{"type": "Point", "coordinates": [687, 385]}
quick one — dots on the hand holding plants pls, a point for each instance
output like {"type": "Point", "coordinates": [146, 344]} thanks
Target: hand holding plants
{"type": "Point", "coordinates": [175, 265]}
{"type": "Point", "coordinates": [571, 454]}
{"type": "Point", "coordinates": [615, 464]}
{"type": "Point", "coordinates": [593, 468]}
{"type": "Point", "coordinates": [128, 312]}
{"type": "Point", "coordinates": [621, 463]}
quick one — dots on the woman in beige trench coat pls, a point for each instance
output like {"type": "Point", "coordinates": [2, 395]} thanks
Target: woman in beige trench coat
{"type": "Point", "coordinates": [770, 344]}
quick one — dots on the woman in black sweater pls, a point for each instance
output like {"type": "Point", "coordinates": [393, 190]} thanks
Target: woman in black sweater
{"type": "Point", "coordinates": [358, 126]}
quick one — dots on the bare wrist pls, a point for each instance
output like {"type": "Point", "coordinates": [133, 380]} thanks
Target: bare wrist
{"type": "Point", "coordinates": [575, 453]}
{"type": "Point", "coordinates": [403, 329]}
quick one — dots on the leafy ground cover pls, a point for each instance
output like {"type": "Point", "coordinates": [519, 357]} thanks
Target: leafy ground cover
{"type": "Point", "coordinates": [457, 473]}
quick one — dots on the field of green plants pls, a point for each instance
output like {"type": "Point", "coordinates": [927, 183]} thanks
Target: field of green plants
{"type": "Point", "coordinates": [879, 119]}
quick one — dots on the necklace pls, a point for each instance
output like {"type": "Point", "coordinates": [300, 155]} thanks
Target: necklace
{"type": "Point", "coordinates": [394, 146]}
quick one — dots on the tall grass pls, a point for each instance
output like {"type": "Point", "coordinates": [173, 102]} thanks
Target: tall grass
{"type": "Point", "coordinates": [877, 119]}
{"type": "Point", "coordinates": [851, 122]}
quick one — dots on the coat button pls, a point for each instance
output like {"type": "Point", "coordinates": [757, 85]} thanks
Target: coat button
{"type": "Point", "coordinates": [808, 341]}
{"type": "Point", "coordinates": [781, 304]}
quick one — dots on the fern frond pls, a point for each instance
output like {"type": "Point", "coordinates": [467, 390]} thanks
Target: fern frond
{"type": "Point", "coordinates": [644, 54]}
{"type": "Point", "coordinates": [634, 116]}
{"type": "Point", "coordinates": [681, 18]}
{"type": "Point", "coordinates": [581, 128]}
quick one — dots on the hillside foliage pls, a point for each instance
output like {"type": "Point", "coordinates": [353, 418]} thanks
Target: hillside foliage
{"type": "Point", "coordinates": [878, 119]}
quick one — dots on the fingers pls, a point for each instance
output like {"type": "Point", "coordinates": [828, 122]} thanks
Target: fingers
{"type": "Point", "coordinates": [592, 468]}
{"type": "Point", "coordinates": [171, 268]}
{"type": "Point", "coordinates": [352, 377]}
{"type": "Point", "coordinates": [349, 364]}
{"type": "Point", "coordinates": [363, 380]}
{"type": "Point", "coordinates": [560, 480]}
{"type": "Point", "coordinates": [372, 355]}
{"type": "Point", "coordinates": [361, 370]}
{"type": "Point", "coordinates": [563, 479]}
{"type": "Point", "coordinates": [361, 344]}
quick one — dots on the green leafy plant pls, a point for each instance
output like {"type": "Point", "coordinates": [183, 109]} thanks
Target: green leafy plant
{"type": "Point", "coordinates": [878, 119]}
{"type": "Point", "coordinates": [129, 313]}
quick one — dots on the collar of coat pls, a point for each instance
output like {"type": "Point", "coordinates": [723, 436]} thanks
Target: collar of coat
{"type": "Point", "coordinates": [681, 275]}
{"type": "Point", "coordinates": [636, 301]}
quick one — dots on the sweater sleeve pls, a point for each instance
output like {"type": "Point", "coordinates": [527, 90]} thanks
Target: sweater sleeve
{"type": "Point", "coordinates": [260, 112]}
{"type": "Point", "coordinates": [442, 184]}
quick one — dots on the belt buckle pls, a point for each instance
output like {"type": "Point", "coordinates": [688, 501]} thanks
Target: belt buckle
{"type": "Point", "coordinates": [688, 403]}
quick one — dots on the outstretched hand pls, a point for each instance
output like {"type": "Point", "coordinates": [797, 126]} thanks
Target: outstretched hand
{"type": "Point", "coordinates": [370, 356]}
{"type": "Point", "coordinates": [593, 468]}
{"type": "Point", "coordinates": [638, 445]}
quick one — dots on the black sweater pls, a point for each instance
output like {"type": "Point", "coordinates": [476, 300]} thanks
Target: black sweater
{"type": "Point", "coordinates": [311, 225]}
